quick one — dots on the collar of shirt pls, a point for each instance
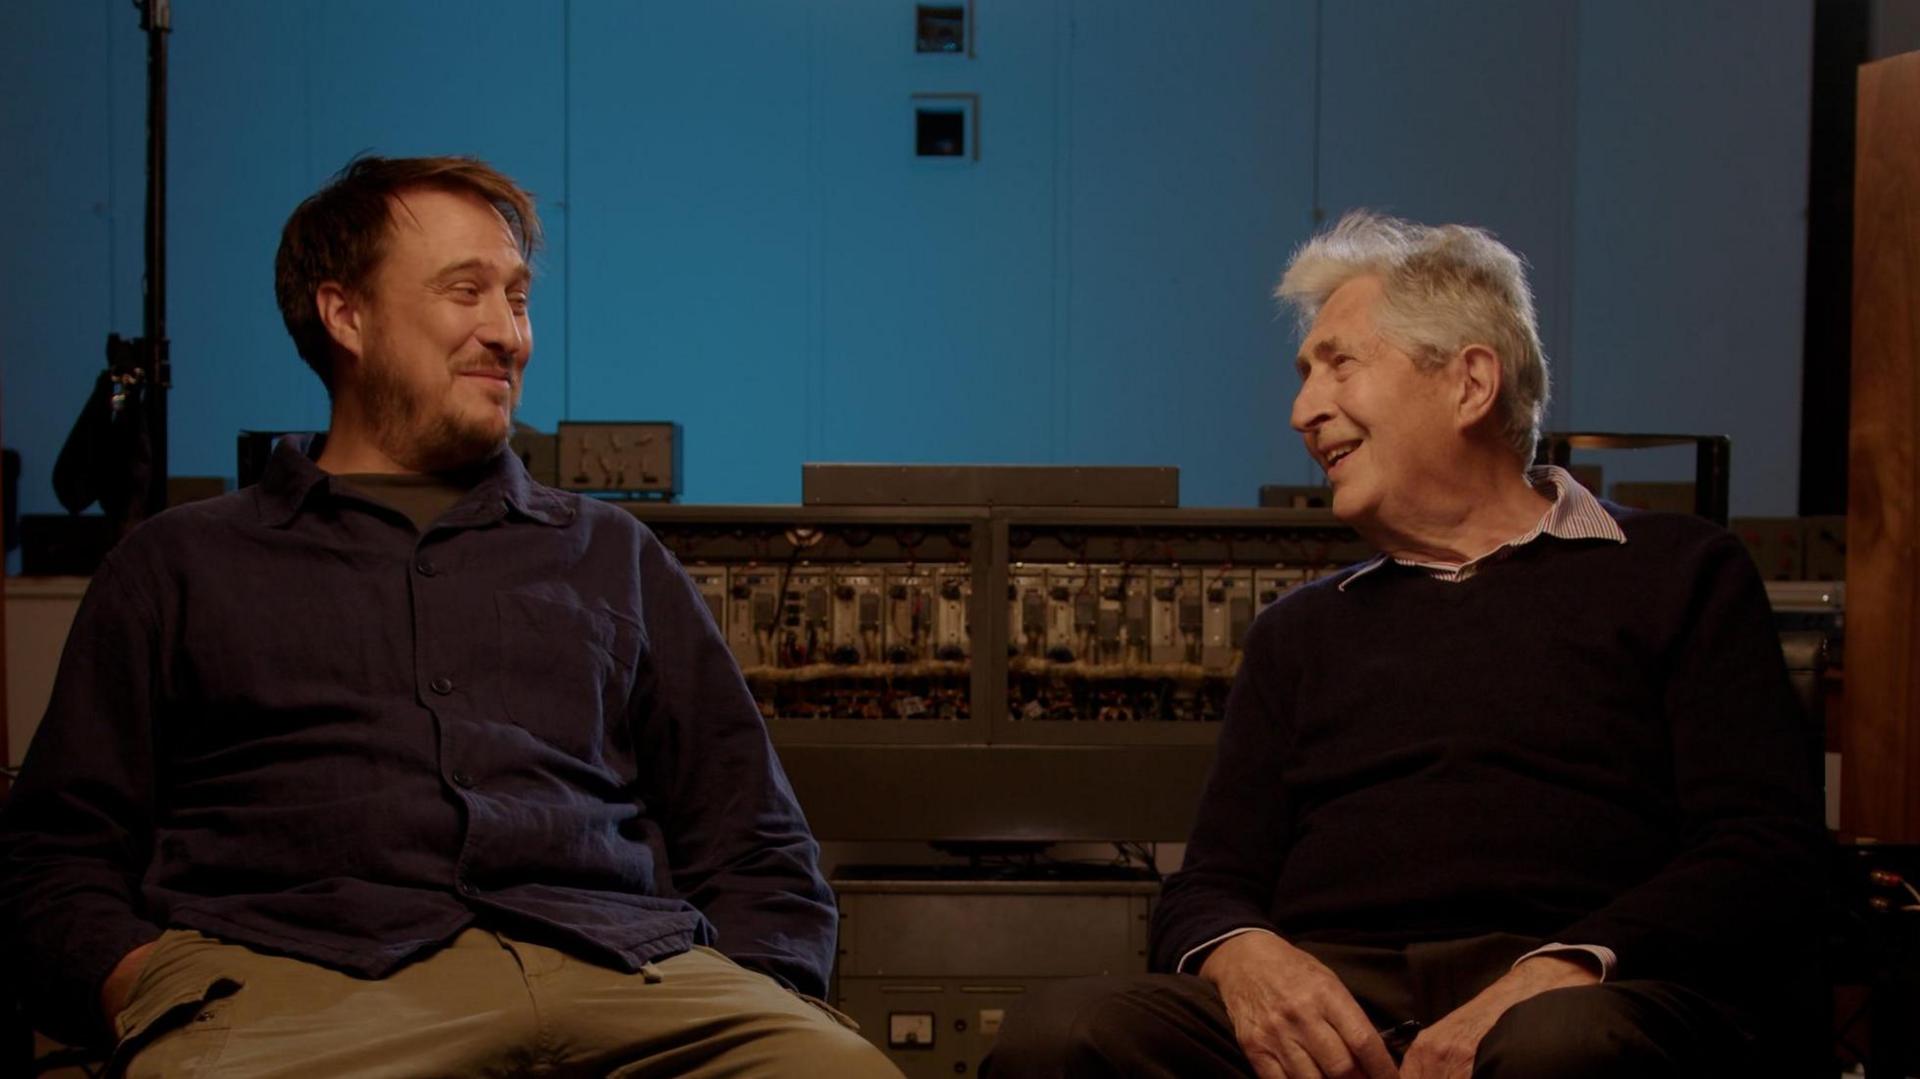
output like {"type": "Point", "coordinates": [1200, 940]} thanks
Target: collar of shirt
{"type": "Point", "coordinates": [1574, 515]}
{"type": "Point", "coordinates": [292, 477]}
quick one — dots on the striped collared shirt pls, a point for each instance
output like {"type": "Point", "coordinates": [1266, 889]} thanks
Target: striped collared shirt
{"type": "Point", "coordinates": [1575, 514]}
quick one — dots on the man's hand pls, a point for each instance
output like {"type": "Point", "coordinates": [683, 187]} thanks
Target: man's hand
{"type": "Point", "coordinates": [119, 984]}
{"type": "Point", "coordinates": [1291, 1015]}
{"type": "Point", "coordinates": [1446, 1049]}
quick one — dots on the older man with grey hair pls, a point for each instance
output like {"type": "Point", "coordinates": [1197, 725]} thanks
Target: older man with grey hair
{"type": "Point", "coordinates": [1526, 794]}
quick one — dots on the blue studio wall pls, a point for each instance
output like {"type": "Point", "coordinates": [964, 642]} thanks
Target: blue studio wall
{"type": "Point", "coordinates": [741, 240]}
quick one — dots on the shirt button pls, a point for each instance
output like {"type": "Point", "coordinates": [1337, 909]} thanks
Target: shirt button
{"type": "Point", "coordinates": [462, 779]}
{"type": "Point", "coordinates": [464, 888]}
{"type": "Point", "coordinates": [425, 566]}
{"type": "Point", "coordinates": [441, 685]}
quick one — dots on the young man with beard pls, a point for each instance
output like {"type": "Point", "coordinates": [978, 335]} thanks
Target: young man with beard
{"type": "Point", "coordinates": [1525, 795]}
{"type": "Point", "coordinates": [399, 762]}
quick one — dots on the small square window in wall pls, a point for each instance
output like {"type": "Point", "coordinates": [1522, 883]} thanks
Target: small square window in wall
{"type": "Point", "coordinates": [943, 28]}
{"type": "Point", "coordinates": [946, 126]}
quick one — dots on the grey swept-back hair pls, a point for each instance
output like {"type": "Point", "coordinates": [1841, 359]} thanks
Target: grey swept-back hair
{"type": "Point", "coordinates": [1445, 287]}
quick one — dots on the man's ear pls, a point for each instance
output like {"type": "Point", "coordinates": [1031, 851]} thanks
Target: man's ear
{"type": "Point", "coordinates": [1480, 377]}
{"type": "Point", "coordinates": [341, 313]}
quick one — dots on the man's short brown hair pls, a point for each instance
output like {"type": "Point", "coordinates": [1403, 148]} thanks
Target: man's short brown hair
{"type": "Point", "coordinates": [339, 234]}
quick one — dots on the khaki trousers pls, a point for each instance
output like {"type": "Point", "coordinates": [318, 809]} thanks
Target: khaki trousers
{"type": "Point", "coordinates": [486, 1005]}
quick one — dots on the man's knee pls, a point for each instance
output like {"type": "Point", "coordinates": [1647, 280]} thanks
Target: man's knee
{"type": "Point", "coordinates": [1056, 1027]}
{"type": "Point", "coordinates": [1099, 1026]}
{"type": "Point", "coordinates": [782, 1043]}
{"type": "Point", "coordinates": [1588, 1032]}
{"type": "Point", "coordinates": [823, 1050]}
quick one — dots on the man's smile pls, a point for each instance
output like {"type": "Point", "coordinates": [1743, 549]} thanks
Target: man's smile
{"type": "Point", "coordinates": [1331, 456]}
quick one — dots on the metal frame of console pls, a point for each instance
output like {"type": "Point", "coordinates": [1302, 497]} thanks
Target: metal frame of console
{"type": "Point", "coordinates": [989, 775]}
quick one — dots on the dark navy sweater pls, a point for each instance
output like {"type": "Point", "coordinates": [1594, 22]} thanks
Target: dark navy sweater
{"type": "Point", "coordinates": [1587, 742]}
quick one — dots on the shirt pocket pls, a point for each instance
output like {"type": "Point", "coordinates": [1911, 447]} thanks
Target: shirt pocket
{"type": "Point", "coordinates": [563, 672]}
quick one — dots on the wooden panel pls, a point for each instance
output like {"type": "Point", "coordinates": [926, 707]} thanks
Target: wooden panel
{"type": "Point", "coordinates": [1881, 736]}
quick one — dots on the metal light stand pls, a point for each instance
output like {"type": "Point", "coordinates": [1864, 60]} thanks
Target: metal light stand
{"type": "Point", "coordinates": [141, 369]}
{"type": "Point", "coordinates": [117, 453]}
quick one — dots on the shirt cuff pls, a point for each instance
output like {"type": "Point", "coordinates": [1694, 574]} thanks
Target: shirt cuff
{"type": "Point", "coordinates": [1603, 955]}
{"type": "Point", "coordinates": [1198, 949]}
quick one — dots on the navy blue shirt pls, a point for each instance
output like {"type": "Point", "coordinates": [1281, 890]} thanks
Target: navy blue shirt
{"type": "Point", "coordinates": [288, 719]}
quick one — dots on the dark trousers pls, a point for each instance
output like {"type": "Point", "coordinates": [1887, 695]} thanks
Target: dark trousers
{"type": "Point", "coordinates": [1174, 1025]}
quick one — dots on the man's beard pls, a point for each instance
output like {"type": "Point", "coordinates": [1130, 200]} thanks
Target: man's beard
{"type": "Point", "coordinates": [440, 442]}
